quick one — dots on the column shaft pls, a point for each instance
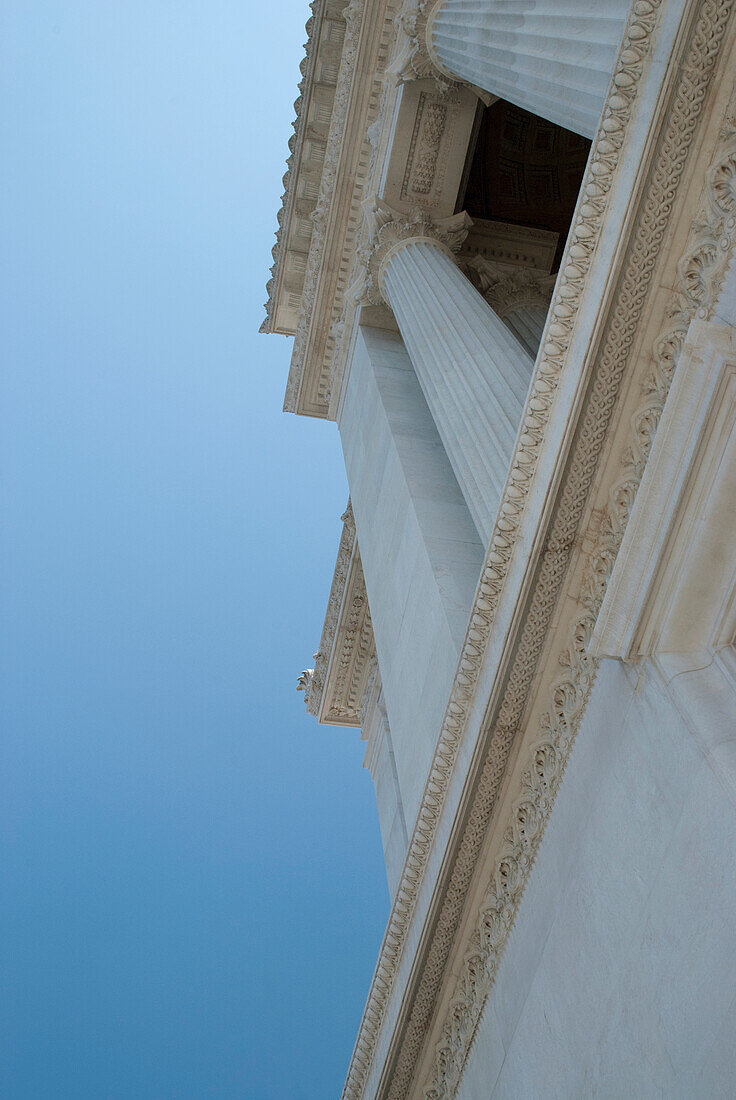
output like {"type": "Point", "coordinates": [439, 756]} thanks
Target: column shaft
{"type": "Point", "coordinates": [551, 57]}
{"type": "Point", "coordinates": [527, 324]}
{"type": "Point", "coordinates": [472, 369]}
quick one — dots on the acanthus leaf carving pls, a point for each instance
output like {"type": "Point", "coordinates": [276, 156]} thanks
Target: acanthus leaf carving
{"type": "Point", "coordinates": [386, 228]}
{"type": "Point", "coordinates": [416, 59]}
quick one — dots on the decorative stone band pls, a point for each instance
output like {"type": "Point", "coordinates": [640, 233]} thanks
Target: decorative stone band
{"type": "Point", "coordinates": [700, 277]}
{"type": "Point", "coordinates": [387, 230]}
{"type": "Point", "coordinates": [567, 695]}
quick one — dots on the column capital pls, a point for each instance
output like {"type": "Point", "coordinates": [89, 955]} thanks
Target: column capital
{"type": "Point", "coordinates": [506, 290]}
{"type": "Point", "coordinates": [417, 59]}
{"type": "Point", "coordinates": [387, 230]}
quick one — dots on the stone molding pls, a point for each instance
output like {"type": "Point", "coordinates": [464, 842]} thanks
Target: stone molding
{"type": "Point", "coordinates": [352, 653]}
{"type": "Point", "coordinates": [323, 48]}
{"type": "Point", "coordinates": [568, 696]}
{"type": "Point", "coordinates": [355, 150]}
{"type": "Point", "coordinates": [506, 246]}
{"type": "Point", "coordinates": [368, 39]}
{"type": "Point", "coordinates": [314, 683]}
{"type": "Point", "coordinates": [389, 230]}
{"type": "Point", "coordinates": [334, 688]}
{"type": "Point", "coordinates": [654, 596]}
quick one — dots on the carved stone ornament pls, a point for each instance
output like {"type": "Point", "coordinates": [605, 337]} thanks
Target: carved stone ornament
{"type": "Point", "coordinates": [386, 229]}
{"type": "Point", "coordinates": [304, 683]}
{"type": "Point", "coordinates": [701, 273]}
{"type": "Point", "coordinates": [416, 58]}
{"type": "Point", "coordinates": [325, 29]}
{"type": "Point", "coordinates": [313, 693]}
{"type": "Point", "coordinates": [414, 61]}
{"type": "Point", "coordinates": [506, 290]}
{"type": "Point", "coordinates": [569, 692]}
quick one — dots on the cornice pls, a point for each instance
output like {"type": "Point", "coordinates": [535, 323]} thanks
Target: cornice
{"type": "Point", "coordinates": [566, 703]}
{"type": "Point", "coordinates": [309, 293]}
{"type": "Point", "coordinates": [315, 678]}
{"type": "Point", "coordinates": [304, 165]}
{"type": "Point", "coordinates": [334, 688]}
{"type": "Point", "coordinates": [353, 651]}
{"type": "Point", "coordinates": [368, 38]}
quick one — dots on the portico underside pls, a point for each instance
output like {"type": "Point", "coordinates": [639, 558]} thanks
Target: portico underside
{"type": "Point", "coordinates": [500, 294]}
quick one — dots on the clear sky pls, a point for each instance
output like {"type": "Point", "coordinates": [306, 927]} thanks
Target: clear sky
{"type": "Point", "coordinates": [192, 894]}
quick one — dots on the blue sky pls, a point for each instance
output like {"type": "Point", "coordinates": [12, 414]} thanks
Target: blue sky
{"type": "Point", "coordinates": [192, 893]}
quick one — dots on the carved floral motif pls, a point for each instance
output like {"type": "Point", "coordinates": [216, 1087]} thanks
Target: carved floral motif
{"type": "Point", "coordinates": [306, 68]}
{"type": "Point", "coordinates": [386, 228]}
{"type": "Point", "coordinates": [416, 58]}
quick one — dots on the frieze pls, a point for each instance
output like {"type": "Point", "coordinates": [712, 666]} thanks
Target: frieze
{"type": "Point", "coordinates": [325, 229]}
{"type": "Point", "coordinates": [307, 148]}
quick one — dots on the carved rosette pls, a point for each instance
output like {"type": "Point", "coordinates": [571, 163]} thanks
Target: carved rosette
{"type": "Point", "coordinates": [388, 230]}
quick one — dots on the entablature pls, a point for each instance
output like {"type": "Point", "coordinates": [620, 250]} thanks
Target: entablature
{"type": "Point", "coordinates": [305, 165]}
{"type": "Point", "coordinates": [346, 657]}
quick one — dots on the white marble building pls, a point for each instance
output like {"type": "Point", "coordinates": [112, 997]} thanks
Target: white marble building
{"type": "Point", "coordinates": [503, 253]}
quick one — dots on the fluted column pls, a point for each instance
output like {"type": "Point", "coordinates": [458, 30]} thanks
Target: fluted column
{"type": "Point", "coordinates": [521, 300]}
{"type": "Point", "coordinates": [551, 57]}
{"type": "Point", "coordinates": [473, 371]}
{"type": "Point", "coordinates": [527, 324]}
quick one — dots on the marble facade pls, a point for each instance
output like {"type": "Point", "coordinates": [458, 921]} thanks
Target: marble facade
{"type": "Point", "coordinates": [505, 256]}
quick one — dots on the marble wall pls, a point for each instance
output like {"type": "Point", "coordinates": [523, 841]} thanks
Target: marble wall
{"type": "Point", "coordinates": [420, 551]}
{"type": "Point", "coordinates": [619, 978]}
{"type": "Point", "coordinates": [381, 760]}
